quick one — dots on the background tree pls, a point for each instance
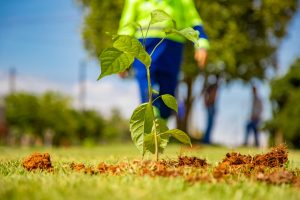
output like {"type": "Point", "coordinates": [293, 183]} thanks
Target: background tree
{"type": "Point", "coordinates": [244, 37]}
{"type": "Point", "coordinates": [35, 114]}
{"type": "Point", "coordinates": [100, 22]}
{"type": "Point", "coordinates": [285, 95]}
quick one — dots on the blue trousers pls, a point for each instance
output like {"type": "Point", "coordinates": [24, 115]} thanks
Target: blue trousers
{"type": "Point", "coordinates": [164, 71]}
{"type": "Point", "coordinates": [252, 126]}
{"type": "Point", "coordinates": [211, 111]}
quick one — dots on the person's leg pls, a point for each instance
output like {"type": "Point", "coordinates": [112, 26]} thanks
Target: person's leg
{"type": "Point", "coordinates": [167, 72]}
{"type": "Point", "coordinates": [255, 131]}
{"type": "Point", "coordinates": [167, 85]}
{"type": "Point", "coordinates": [141, 73]}
{"type": "Point", "coordinates": [247, 132]}
{"type": "Point", "coordinates": [209, 125]}
{"type": "Point", "coordinates": [141, 77]}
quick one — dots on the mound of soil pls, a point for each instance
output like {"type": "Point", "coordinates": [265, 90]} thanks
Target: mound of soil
{"type": "Point", "coordinates": [236, 163]}
{"type": "Point", "coordinates": [38, 161]}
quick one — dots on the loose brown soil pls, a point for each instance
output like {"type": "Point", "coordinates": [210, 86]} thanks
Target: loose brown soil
{"type": "Point", "coordinates": [269, 168]}
{"type": "Point", "coordinates": [38, 161]}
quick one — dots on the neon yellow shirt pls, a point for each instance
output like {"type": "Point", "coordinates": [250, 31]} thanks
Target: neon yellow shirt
{"type": "Point", "coordinates": [182, 11]}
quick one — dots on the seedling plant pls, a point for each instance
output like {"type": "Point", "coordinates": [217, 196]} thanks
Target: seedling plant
{"type": "Point", "coordinates": [148, 132]}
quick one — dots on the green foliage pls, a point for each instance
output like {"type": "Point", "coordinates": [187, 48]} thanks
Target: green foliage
{"type": "Point", "coordinates": [116, 128]}
{"type": "Point", "coordinates": [285, 95]}
{"type": "Point", "coordinates": [34, 115]}
{"type": "Point", "coordinates": [244, 35]}
{"type": "Point", "coordinates": [101, 17]}
{"type": "Point", "coordinates": [144, 128]}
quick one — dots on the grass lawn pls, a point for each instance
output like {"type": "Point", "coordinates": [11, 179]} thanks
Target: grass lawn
{"type": "Point", "coordinates": [17, 183]}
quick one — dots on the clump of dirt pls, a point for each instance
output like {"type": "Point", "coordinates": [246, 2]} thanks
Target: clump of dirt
{"type": "Point", "coordinates": [191, 161]}
{"type": "Point", "coordinates": [38, 161]}
{"type": "Point", "coordinates": [276, 158]}
{"type": "Point", "coordinates": [235, 163]}
{"type": "Point", "coordinates": [112, 169]}
{"type": "Point", "coordinates": [164, 169]}
{"type": "Point", "coordinates": [278, 177]}
{"type": "Point", "coordinates": [79, 167]}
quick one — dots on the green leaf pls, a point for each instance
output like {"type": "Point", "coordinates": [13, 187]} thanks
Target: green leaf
{"type": "Point", "coordinates": [188, 33]}
{"type": "Point", "coordinates": [155, 91]}
{"type": "Point", "coordinates": [148, 118]}
{"type": "Point", "coordinates": [135, 25]}
{"type": "Point", "coordinates": [149, 143]}
{"type": "Point", "coordinates": [179, 135]}
{"type": "Point", "coordinates": [170, 101]}
{"type": "Point", "coordinates": [113, 61]}
{"type": "Point", "coordinates": [161, 16]}
{"type": "Point", "coordinates": [137, 126]}
{"type": "Point", "coordinates": [132, 46]}
{"type": "Point", "coordinates": [161, 125]}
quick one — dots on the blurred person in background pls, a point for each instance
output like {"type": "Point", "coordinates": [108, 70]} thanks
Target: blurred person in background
{"type": "Point", "coordinates": [167, 58]}
{"type": "Point", "coordinates": [255, 118]}
{"type": "Point", "coordinates": [210, 95]}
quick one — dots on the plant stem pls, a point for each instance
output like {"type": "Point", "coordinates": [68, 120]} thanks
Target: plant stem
{"type": "Point", "coordinates": [149, 85]}
{"type": "Point", "coordinates": [157, 46]}
{"type": "Point", "coordinates": [150, 102]}
{"type": "Point", "coordinates": [155, 142]}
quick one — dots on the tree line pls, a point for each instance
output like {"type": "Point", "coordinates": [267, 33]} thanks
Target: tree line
{"type": "Point", "coordinates": [51, 118]}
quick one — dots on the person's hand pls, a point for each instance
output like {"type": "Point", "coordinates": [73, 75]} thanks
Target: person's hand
{"type": "Point", "coordinates": [123, 74]}
{"type": "Point", "coordinates": [201, 57]}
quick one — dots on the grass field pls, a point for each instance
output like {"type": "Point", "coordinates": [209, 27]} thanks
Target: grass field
{"type": "Point", "coordinates": [17, 183]}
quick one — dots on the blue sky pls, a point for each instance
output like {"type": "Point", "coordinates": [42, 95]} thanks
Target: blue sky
{"type": "Point", "coordinates": [41, 39]}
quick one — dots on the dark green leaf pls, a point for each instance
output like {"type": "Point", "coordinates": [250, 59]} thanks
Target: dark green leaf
{"type": "Point", "coordinates": [170, 101]}
{"type": "Point", "coordinates": [132, 46]}
{"type": "Point", "coordinates": [113, 61]}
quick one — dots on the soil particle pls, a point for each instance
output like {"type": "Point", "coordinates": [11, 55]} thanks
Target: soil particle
{"type": "Point", "coordinates": [113, 169]}
{"type": "Point", "coordinates": [79, 167]}
{"type": "Point", "coordinates": [38, 161]}
{"type": "Point", "coordinates": [191, 161]}
{"type": "Point", "coordinates": [278, 177]}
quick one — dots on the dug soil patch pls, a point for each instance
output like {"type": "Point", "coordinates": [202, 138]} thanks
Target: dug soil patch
{"type": "Point", "coordinates": [269, 168]}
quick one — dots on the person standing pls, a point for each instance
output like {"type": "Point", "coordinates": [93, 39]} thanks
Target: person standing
{"type": "Point", "coordinates": [210, 95]}
{"type": "Point", "coordinates": [166, 59]}
{"type": "Point", "coordinates": [255, 118]}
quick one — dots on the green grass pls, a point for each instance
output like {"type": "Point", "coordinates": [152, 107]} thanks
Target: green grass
{"type": "Point", "coordinates": [17, 183]}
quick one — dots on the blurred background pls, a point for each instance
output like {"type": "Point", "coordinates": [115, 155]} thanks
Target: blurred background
{"type": "Point", "coordinates": [49, 93]}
